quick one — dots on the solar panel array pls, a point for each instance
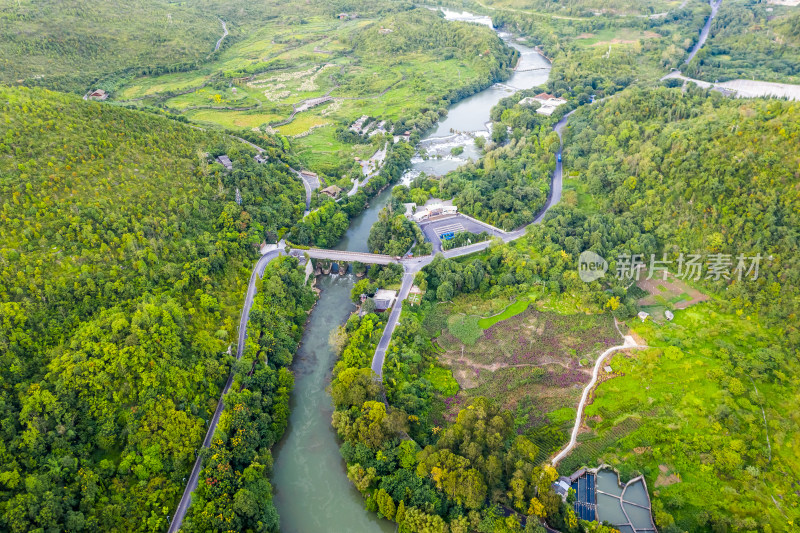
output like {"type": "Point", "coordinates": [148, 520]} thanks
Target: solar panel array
{"type": "Point", "coordinates": [585, 502]}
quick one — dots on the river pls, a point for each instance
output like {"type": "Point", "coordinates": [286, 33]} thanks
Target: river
{"type": "Point", "coordinates": [312, 492]}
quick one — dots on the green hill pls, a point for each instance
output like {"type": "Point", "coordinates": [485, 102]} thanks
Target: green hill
{"type": "Point", "coordinates": [123, 262]}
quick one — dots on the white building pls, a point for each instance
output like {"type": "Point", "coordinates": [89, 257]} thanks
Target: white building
{"type": "Point", "coordinates": [548, 102]}
{"type": "Point", "coordinates": [384, 299]}
{"type": "Point", "coordinates": [420, 215]}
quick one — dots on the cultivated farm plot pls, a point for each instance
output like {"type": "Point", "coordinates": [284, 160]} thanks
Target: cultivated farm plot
{"type": "Point", "coordinates": [671, 292]}
{"type": "Point", "coordinates": [529, 363]}
{"type": "Point", "coordinates": [297, 79]}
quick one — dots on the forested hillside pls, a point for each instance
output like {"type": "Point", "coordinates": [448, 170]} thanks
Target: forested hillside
{"type": "Point", "coordinates": [702, 173]}
{"type": "Point", "coordinates": [698, 173]}
{"type": "Point", "coordinates": [234, 492]}
{"type": "Point", "coordinates": [123, 263]}
{"type": "Point", "coordinates": [68, 44]}
{"type": "Point", "coordinates": [751, 41]}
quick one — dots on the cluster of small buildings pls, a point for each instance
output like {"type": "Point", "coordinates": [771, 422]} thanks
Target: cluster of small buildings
{"type": "Point", "coordinates": [548, 102]}
{"type": "Point", "coordinates": [429, 211]}
{"type": "Point", "coordinates": [226, 162]}
{"type": "Point", "coordinates": [371, 128]}
{"type": "Point", "coordinates": [346, 16]}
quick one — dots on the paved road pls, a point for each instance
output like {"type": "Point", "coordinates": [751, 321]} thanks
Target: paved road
{"type": "Point", "coordinates": [309, 183]}
{"type": "Point", "coordinates": [394, 316]}
{"type": "Point", "coordinates": [186, 499]}
{"type": "Point", "coordinates": [413, 265]}
{"type": "Point", "coordinates": [224, 34]}
{"type": "Point", "coordinates": [375, 163]}
{"type": "Point", "coordinates": [704, 32]}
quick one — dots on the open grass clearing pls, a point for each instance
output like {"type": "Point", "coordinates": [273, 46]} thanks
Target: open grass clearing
{"type": "Point", "coordinates": [529, 362]}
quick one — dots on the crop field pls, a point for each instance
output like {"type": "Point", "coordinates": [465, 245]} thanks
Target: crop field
{"type": "Point", "coordinates": [670, 293]}
{"type": "Point", "coordinates": [366, 66]}
{"type": "Point", "coordinates": [534, 362]}
{"type": "Point", "coordinates": [229, 119]}
{"type": "Point", "coordinates": [614, 36]}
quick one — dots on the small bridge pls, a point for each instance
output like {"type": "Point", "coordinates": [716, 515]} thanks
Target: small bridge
{"type": "Point", "coordinates": [343, 255]}
{"type": "Point", "coordinates": [531, 69]}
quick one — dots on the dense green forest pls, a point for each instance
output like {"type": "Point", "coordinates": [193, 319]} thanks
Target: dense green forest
{"type": "Point", "coordinates": [123, 263]}
{"type": "Point", "coordinates": [67, 45]}
{"type": "Point", "coordinates": [577, 9]}
{"type": "Point", "coordinates": [125, 249]}
{"type": "Point", "coordinates": [510, 184]}
{"type": "Point", "coordinates": [394, 234]}
{"type": "Point", "coordinates": [701, 173]}
{"type": "Point", "coordinates": [750, 41]}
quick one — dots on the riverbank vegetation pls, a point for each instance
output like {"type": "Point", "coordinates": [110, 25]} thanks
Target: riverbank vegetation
{"type": "Point", "coordinates": [123, 263]}
{"type": "Point", "coordinates": [510, 184]}
{"type": "Point", "coordinates": [394, 234]}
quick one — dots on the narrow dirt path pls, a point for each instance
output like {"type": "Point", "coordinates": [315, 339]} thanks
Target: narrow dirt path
{"type": "Point", "coordinates": [573, 439]}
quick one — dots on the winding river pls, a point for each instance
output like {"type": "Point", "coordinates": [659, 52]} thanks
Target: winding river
{"type": "Point", "coordinates": [312, 492]}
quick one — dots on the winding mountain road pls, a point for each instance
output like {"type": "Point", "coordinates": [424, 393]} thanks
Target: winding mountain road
{"type": "Point", "coordinates": [224, 34]}
{"type": "Point", "coordinates": [705, 31]}
{"type": "Point", "coordinates": [186, 499]}
{"type": "Point", "coordinates": [415, 264]}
